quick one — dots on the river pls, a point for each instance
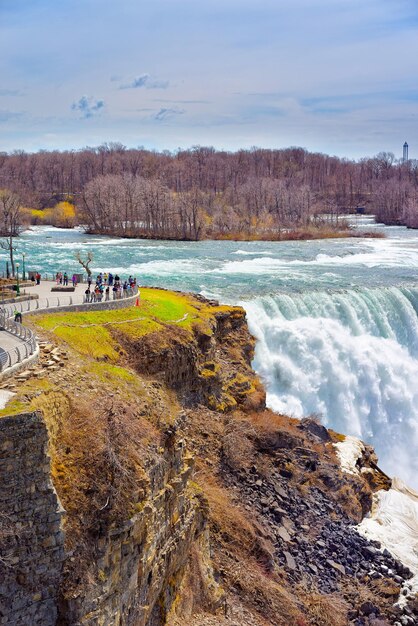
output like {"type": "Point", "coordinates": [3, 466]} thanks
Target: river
{"type": "Point", "coordinates": [336, 320]}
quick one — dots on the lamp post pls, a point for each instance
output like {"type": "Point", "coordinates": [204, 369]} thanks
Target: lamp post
{"type": "Point", "coordinates": [23, 266]}
{"type": "Point", "coordinates": [17, 280]}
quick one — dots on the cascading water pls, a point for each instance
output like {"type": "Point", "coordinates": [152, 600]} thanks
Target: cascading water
{"type": "Point", "coordinates": [338, 337]}
{"type": "Point", "coordinates": [350, 357]}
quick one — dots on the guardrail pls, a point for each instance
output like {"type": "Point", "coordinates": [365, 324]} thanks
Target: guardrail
{"type": "Point", "coordinates": [28, 344]}
{"type": "Point", "coordinates": [55, 302]}
{"type": "Point", "coordinates": [4, 358]}
{"type": "Point", "coordinates": [21, 351]}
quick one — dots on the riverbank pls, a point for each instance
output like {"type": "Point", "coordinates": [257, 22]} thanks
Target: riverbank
{"type": "Point", "coordinates": [297, 234]}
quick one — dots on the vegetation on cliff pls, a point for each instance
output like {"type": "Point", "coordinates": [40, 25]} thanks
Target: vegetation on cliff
{"type": "Point", "coordinates": [146, 394]}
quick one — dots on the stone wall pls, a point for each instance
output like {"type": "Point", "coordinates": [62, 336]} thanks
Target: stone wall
{"type": "Point", "coordinates": [31, 539]}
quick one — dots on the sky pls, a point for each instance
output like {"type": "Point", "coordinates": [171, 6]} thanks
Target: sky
{"type": "Point", "coordinates": [333, 76]}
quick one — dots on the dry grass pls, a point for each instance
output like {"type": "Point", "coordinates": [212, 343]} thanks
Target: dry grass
{"type": "Point", "coordinates": [237, 444]}
{"type": "Point", "coordinates": [230, 525]}
{"type": "Point", "coordinates": [97, 459]}
{"type": "Point", "coordinates": [325, 610]}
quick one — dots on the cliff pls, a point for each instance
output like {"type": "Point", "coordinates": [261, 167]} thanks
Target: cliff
{"type": "Point", "coordinates": [186, 501]}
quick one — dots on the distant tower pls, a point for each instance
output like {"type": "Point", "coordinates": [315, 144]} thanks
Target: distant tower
{"type": "Point", "coordinates": [405, 153]}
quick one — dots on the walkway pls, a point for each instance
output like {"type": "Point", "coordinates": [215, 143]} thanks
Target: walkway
{"type": "Point", "coordinates": [17, 343]}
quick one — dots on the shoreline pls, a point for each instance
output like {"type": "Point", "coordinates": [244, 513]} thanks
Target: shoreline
{"type": "Point", "coordinates": [295, 235]}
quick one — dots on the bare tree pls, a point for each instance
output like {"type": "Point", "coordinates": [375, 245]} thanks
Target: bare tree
{"type": "Point", "coordinates": [85, 262]}
{"type": "Point", "coordinates": [10, 222]}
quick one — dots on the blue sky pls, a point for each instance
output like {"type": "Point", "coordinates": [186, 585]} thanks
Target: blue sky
{"type": "Point", "coordinates": [336, 76]}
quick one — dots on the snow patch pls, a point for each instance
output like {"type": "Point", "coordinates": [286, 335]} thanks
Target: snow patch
{"type": "Point", "coordinates": [393, 521]}
{"type": "Point", "coordinates": [5, 397]}
{"type": "Point", "coordinates": [348, 452]}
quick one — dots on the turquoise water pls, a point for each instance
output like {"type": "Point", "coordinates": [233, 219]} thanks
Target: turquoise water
{"type": "Point", "coordinates": [336, 320]}
{"type": "Point", "coordinates": [233, 270]}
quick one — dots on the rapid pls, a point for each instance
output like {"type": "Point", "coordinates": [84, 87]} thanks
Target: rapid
{"type": "Point", "coordinates": [336, 320]}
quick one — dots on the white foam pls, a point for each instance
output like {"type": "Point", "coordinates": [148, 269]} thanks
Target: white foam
{"type": "Point", "coordinates": [351, 358]}
{"type": "Point", "coordinates": [251, 252]}
{"type": "Point", "coordinates": [375, 254]}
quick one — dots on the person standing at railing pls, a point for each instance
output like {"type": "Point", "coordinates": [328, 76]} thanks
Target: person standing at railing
{"type": "Point", "coordinates": [18, 316]}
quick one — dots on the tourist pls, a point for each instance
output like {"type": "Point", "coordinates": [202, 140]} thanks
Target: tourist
{"type": "Point", "coordinates": [107, 293]}
{"type": "Point", "coordinates": [18, 316]}
{"type": "Point", "coordinates": [87, 294]}
{"type": "Point", "coordinates": [74, 280]}
{"type": "Point", "coordinates": [38, 278]}
{"type": "Point", "coordinates": [65, 278]}
{"type": "Point", "coordinates": [110, 279]}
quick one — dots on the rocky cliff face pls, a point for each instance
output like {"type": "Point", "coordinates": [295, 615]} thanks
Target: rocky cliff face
{"type": "Point", "coordinates": [31, 537]}
{"type": "Point", "coordinates": [187, 502]}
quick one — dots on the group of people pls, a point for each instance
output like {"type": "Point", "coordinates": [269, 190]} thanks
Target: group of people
{"type": "Point", "coordinates": [36, 278]}
{"type": "Point", "coordinates": [107, 283]}
{"type": "Point", "coordinates": [62, 279]}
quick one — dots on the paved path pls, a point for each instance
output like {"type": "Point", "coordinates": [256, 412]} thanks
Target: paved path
{"type": "Point", "coordinates": [19, 342]}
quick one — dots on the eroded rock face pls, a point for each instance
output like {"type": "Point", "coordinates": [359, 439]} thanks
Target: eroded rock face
{"type": "Point", "coordinates": [212, 367]}
{"type": "Point", "coordinates": [236, 515]}
{"type": "Point", "coordinates": [31, 536]}
{"type": "Point", "coordinates": [141, 563]}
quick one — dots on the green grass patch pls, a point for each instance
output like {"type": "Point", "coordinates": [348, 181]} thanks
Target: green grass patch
{"type": "Point", "coordinates": [114, 374]}
{"type": "Point", "coordinates": [14, 407]}
{"type": "Point", "coordinates": [94, 341]}
{"type": "Point", "coordinates": [90, 332]}
{"type": "Point", "coordinates": [94, 333]}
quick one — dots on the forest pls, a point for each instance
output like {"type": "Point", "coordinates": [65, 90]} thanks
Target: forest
{"type": "Point", "coordinates": [206, 193]}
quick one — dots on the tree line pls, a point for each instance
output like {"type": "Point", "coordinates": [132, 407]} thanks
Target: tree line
{"type": "Point", "coordinates": [203, 192]}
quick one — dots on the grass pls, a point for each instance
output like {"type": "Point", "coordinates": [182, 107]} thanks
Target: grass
{"type": "Point", "coordinates": [93, 333]}
{"type": "Point", "coordinates": [25, 398]}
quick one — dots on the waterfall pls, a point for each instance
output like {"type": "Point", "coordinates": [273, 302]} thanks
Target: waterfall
{"type": "Point", "coordinates": [350, 357]}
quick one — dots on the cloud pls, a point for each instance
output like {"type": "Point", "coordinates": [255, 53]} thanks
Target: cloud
{"type": "Point", "coordinates": [10, 92]}
{"type": "Point", "coordinates": [146, 81]}
{"type": "Point", "coordinates": [7, 116]}
{"type": "Point", "coordinates": [181, 101]}
{"type": "Point", "coordinates": [88, 106]}
{"type": "Point", "coordinates": [164, 114]}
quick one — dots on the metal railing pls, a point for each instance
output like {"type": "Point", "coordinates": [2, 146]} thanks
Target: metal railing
{"type": "Point", "coordinates": [28, 345]}
{"type": "Point", "coordinates": [20, 351]}
{"type": "Point", "coordinates": [54, 302]}
{"type": "Point", "coordinates": [4, 359]}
